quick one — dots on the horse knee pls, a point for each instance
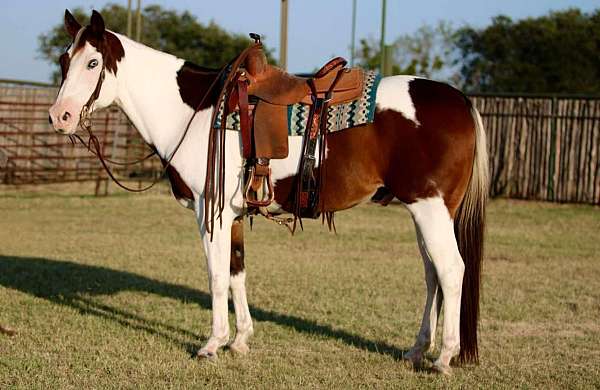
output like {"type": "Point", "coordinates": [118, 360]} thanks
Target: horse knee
{"type": "Point", "coordinates": [219, 284]}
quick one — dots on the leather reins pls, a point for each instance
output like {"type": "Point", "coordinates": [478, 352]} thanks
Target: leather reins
{"type": "Point", "coordinates": [214, 185]}
{"type": "Point", "coordinates": [214, 194]}
{"type": "Point", "coordinates": [85, 123]}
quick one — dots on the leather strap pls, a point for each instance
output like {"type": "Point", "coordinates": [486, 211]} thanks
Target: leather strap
{"type": "Point", "coordinates": [308, 194]}
{"type": "Point", "coordinates": [331, 65]}
{"type": "Point", "coordinates": [86, 124]}
{"type": "Point", "coordinates": [242, 90]}
{"type": "Point", "coordinates": [214, 191]}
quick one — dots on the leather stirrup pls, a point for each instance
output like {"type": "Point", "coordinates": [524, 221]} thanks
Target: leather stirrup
{"type": "Point", "coordinates": [259, 176]}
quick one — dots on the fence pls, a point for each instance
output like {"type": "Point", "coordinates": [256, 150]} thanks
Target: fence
{"type": "Point", "coordinates": [540, 147]}
{"type": "Point", "coordinates": [543, 147]}
{"type": "Point", "coordinates": [37, 154]}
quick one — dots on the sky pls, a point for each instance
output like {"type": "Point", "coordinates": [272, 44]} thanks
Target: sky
{"type": "Point", "coordinates": [317, 29]}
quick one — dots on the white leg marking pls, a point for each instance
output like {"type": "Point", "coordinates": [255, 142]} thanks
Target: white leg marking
{"type": "Point", "coordinates": [218, 256]}
{"type": "Point", "coordinates": [243, 320]}
{"type": "Point", "coordinates": [393, 94]}
{"type": "Point", "coordinates": [426, 338]}
{"type": "Point", "coordinates": [437, 231]}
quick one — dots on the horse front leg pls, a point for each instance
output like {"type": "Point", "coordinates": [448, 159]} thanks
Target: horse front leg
{"type": "Point", "coordinates": [218, 254]}
{"type": "Point", "coordinates": [243, 320]}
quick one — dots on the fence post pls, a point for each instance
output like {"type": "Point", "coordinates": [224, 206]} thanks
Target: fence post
{"type": "Point", "coordinates": [552, 157]}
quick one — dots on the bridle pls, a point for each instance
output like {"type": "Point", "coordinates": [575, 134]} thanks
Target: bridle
{"type": "Point", "coordinates": [214, 194]}
{"type": "Point", "coordinates": [85, 122]}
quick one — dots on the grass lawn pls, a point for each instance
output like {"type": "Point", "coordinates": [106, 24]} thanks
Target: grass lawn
{"type": "Point", "coordinates": [112, 292]}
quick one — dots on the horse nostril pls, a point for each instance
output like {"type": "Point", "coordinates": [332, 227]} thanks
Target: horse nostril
{"type": "Point", "coordinates": [66, 116]}
{"type": "Point", "coordinates": [50, 119]}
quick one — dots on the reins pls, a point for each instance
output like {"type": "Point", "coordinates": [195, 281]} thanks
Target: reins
{"type": "Point", "coordinates": [214, 193]}
{"type": "Point", "coordinates": [85, 123]}
{"type": "Point", "coordinates": [214, 185]}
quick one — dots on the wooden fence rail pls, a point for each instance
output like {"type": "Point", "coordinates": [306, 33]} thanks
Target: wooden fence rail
{"type": "Point", "coordinates": [543, 147]}
{"type": "Point", "coordinates": [540, 147]}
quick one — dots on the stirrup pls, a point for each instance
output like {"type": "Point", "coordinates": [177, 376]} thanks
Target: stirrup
{"type": "Point", "coordinates": [254, 185]}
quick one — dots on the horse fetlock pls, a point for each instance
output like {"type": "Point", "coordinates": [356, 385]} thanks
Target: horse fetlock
{"type": "Point", "coordinates": [441, 368]}
{"type": "Point", "coordinates": [414, 355]}
{"type": "Point", "coordinates": [239, 347]}
{"type": "Point", "coordinates": [443, 361]}
{"type": "Point", "coordinates": [210, 349]}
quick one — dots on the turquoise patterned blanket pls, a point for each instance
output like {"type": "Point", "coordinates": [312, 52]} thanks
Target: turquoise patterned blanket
{"type": "Point", "coordinates": [339, 117]}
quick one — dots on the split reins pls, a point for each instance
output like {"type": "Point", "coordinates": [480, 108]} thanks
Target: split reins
{"type": "Point", "coordinates": [214, 193]}
{"type": "Point", "coordinates": [85, 122]}
{"type": "Point", "coordinates": [214, 185]}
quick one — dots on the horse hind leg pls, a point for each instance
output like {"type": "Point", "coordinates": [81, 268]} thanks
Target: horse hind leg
{"type": "Point", "coordinates": [426, 337]}
{"type": "Point", "coordinates": [243, 320]}
{"type": "Point", "coordinates": [437, 230]}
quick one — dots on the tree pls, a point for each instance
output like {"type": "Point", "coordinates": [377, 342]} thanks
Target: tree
{"type": "Point", "coordinates": [428, 52]}
{"type": "Point", "coordinates": [178, 33]}
{"type": "Point", "coordinates": [559, 52]}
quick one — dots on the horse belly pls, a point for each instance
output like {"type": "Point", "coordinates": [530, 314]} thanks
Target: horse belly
{"type": "Point", "coordinates": [353, 173]}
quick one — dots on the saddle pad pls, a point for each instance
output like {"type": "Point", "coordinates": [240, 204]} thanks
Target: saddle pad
{"type": "Point", "coordinates": [339, 117]}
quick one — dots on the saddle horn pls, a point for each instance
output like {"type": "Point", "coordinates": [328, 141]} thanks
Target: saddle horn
{"type": "Point", "coordinates": [255, 36]}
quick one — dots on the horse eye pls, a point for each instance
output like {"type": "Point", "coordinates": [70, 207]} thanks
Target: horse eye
{"type": "Point", "coordinates": [92, 64]}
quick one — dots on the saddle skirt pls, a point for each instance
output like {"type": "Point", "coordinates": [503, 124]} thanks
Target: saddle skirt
{"type": "Point", "coordinates": [294, 117]}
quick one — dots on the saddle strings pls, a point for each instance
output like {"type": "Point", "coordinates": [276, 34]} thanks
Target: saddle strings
{"type": "Point", "coordinates": [214, 195]}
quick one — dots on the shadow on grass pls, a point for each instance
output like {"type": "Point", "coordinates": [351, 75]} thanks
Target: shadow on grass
{"type": "Point", "coordinates": [71, 284]}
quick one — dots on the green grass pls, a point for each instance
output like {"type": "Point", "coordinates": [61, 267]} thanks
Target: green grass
{"type": "Point", "coordinates": [112, 292]}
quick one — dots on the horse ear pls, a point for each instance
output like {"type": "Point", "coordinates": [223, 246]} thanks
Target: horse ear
{"type": "Point", "coordinates": [97, 23]}
{"type": "Point", "coordinates": [71, 24]}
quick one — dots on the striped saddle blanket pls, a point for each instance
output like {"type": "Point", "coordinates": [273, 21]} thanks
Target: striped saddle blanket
{"type": "Point", "coordinates": [339, 116]}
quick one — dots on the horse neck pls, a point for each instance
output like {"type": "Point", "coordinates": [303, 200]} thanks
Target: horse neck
{"type": "Point", "coordinates": [148, 93]}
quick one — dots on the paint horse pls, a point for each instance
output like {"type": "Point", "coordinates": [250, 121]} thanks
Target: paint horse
{"type": "Point", "coordinates": [426, 147]}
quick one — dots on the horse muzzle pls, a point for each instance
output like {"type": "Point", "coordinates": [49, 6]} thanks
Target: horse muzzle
{"type": "Point", "coordinates": [62, 119]}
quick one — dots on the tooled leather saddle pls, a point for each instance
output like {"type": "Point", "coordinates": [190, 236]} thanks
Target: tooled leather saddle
{"type": "Point", "coordinates": [262, 93]}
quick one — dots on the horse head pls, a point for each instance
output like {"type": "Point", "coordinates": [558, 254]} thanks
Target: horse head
{"type": "Point", "coordinates": [89, 68]}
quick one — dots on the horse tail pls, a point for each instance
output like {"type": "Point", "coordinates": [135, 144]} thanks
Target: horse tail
{"type": "Point", "coordinates": [469, 225]}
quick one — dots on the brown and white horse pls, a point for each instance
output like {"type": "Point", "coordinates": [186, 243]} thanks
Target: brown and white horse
{"type": "Point", "coordinates": [426, 147]}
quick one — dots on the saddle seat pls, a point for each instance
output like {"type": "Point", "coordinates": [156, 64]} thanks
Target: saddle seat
{"type": "Point", "coordinates": [275, 86]}
{"type": "Point", "coordinates": [264, 119]}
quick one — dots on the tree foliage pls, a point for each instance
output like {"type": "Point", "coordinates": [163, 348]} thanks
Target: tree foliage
{"type": "Point", "coordinates": [428, 52]}
{"type": "Point", "coordinates": [178, 33]}
{"type": "Point", "coordinates": [559, 52]}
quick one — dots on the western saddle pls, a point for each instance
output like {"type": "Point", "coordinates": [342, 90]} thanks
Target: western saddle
{"type": "Point", "coordinates": [262, 93]}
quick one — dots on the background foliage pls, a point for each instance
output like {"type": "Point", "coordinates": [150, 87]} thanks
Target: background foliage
{"type": "Point", "coordinates": [558, 52]}
{"type": "Point", "coordinates": [178, 33]}
{"type": "Point", "coordinates": [554, 53]}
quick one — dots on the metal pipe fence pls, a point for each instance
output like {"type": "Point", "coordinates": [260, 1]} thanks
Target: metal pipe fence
{"type": "Point", "coordinates": [541, 147]}
{"type": "Point", "coordinates": [36, 154]}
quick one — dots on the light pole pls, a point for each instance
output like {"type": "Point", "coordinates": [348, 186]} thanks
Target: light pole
{"type": "Point", "coordinates": [129, 18]}
{"type": "Point", "coordinates": [352, 48]}
{"type": "Point", "coordinates": [283, 35]}
{"type": "Point", "coordinates": [382, 43]}
{"type": "Point", "coordinates": [138, 24]}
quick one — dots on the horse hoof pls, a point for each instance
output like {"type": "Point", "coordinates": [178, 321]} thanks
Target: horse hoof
{"type": "Point", "coordinates": [441, 369]}
{"type": "Point", "coordinates": [239, 348]}
{"type": "Point", "coordinates": [205, 354]}
{"type": "Point", "coordinates": [415, 357]}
